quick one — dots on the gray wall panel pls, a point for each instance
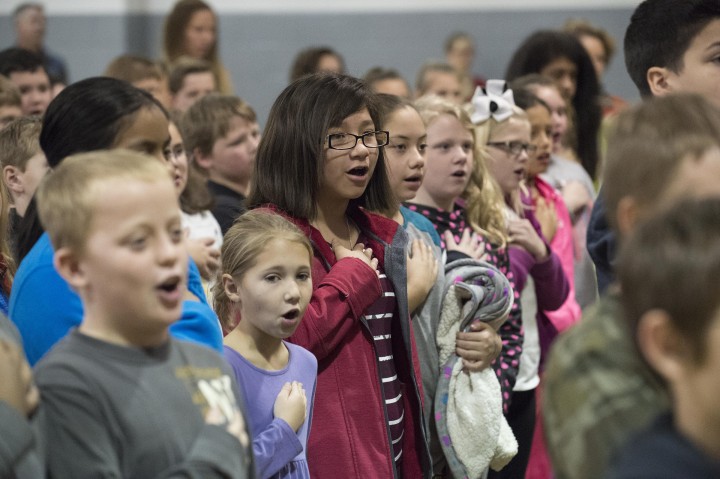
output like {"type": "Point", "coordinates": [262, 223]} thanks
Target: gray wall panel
{"type": "Point", "coordinates": [258, 48]}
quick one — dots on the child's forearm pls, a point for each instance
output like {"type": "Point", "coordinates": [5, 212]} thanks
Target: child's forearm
{"type": "Point", "coordinates": [275, 447]}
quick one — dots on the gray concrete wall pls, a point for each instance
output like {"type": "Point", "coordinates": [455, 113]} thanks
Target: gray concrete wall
{"type": "Point", "coordinates": [258, 48]}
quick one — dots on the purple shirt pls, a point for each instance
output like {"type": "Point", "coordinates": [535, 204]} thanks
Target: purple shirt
{"type": "Point", "coordinates": [279, 451]}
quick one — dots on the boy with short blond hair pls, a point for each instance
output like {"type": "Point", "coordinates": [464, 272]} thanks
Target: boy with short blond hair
{"type": "Point", "coordinates": [23, 162]}
{"type": "Point", "coordinates": [10, 102]}
{"type": "Point", "coordinates": [141, 73]}
{"type": "Point", "coordinates": [121, 397]}
{"type": "Point", "coordinates": [221, 134]}
{"type": "Point", "coordinates": [441, 79]}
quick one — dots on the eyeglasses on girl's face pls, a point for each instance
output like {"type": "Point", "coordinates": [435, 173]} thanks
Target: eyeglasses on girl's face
{"type": "Point", "coordinates": [514, 148]}
{"type": "Point", "coordinates": [347, 141]}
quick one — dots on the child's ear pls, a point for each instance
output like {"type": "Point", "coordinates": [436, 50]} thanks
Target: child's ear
{"type": "Point", "coordinates": [12, 176]}
{"type": "Point", "coordinates": [658, 81]}
{"type": "Point", "coordinates": [203, 161]}
{"type": "Point", "coordinates": [231, 288]}
{"type": "Point", "coordinates": [68, 265]}
{"type": "Point", "coordinates": [626, 215]}
{"type": "Point", "coordinates": [663, 347]}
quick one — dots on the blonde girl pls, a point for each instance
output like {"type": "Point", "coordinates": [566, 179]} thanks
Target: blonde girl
{"type": "Point", "coordinates": [453, 174]}
{"type": "Point", "coordinates": [503, 134]}
{"type": "Point", "coordinates": [261, 293]}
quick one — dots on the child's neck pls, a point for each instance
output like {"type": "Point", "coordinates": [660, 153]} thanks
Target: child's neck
{"type": "Point", "coordinates": [239, 187]}
{"type": "Point", "coordinates": [693, 423]}
{"type": "Point", "coordinates": [394, 213]}
{"type": "Point", "coordinates": [262, 351]}
{"type": "Point", "coordinates": [333, 223]}
{"type": "Point", "coordinates": [98, 331]}
{"type": "Point", "coordinates": [424, 198]}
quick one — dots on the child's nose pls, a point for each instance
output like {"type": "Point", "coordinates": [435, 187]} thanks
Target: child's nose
{"type": "Point", "coordinates": [417, 159]}
{"type": "Point", "coordinates": [292, 293]}
{"type": "Point", "coordinates": [168, 251]}
{"type": "Point", "coordinates": [523, 156]}
{"type": "Point", "coordinates": [360, 149]}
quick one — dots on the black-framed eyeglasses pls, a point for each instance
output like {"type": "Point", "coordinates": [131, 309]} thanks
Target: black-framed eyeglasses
{"type": "Point", "coordinates": [514, 147]}
{"type": "Point", "coordinates": [347, 141]}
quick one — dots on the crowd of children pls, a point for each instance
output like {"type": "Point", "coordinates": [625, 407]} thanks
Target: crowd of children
{"type": "Point", "coordinates": [372, 285]}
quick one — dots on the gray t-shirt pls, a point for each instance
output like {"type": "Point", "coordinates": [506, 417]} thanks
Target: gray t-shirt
{"type": "Point", "coordinates": [115, 411]}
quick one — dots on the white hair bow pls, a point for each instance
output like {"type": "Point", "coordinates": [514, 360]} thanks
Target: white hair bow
{"type": "Point", "coordinates": [493, 100]}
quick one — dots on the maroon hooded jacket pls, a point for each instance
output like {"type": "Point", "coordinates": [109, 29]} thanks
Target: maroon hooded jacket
{"type": "Point", "coordinates": [349, 436]}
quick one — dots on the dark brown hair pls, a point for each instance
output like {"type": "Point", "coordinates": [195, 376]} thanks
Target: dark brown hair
{"type": "Point", "coordinates": [289, 163]}
{"type": "Point", "coordinates": [307, 61]}
{"type": "Point", "coordinates": [175, 25]}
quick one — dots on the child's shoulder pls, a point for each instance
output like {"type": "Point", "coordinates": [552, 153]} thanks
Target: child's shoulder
{"type": "Point", "coordinates": [300, 354]}
{"type": "Point", "coordinates": [88, 355]}
{"type": "Point", "coordinates": [195, 352]}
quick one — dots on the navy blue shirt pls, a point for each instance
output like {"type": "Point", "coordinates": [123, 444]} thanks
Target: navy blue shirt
{"type": "Point", "coordinates": [661, 452]}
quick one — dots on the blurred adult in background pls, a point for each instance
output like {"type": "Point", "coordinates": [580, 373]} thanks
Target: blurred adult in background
{"type": "Point", "coordinates": [30, 26]}
{"type": "Point", "coordinates": [191, 30]}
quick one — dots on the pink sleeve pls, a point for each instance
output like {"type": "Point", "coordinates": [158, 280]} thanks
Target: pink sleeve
{"type": "Point", "coordinates": [562, 245]}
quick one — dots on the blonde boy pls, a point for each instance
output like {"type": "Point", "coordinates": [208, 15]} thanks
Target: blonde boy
{"type": "Point", "coordinates": [437, 78]}
{"type": "Point", "coordinates": [141, 73]}
{"type": "Point", "coordinates": [121, 397]}
{"type": "Point", "coordinates": [23, 162]}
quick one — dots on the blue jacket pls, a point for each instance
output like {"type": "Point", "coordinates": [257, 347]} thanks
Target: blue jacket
{"type": "Point", "coordinates": [45, 309]}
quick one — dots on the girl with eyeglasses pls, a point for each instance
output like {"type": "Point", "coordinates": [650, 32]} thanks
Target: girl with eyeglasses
{"type": "Point", "coordinates": [549, 209]}
{"type": "Point", "coordinates": [504, 144]}
{"type": "Point", "coordinates": [320, 165]}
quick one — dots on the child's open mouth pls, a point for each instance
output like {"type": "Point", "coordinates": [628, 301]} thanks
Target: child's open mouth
{"type": "Point", "coordinates": [414, 181]}
{"type": "Point", "coordinates": [359, 171]}
{"type": "Point", "coordinates": [169, 290]}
